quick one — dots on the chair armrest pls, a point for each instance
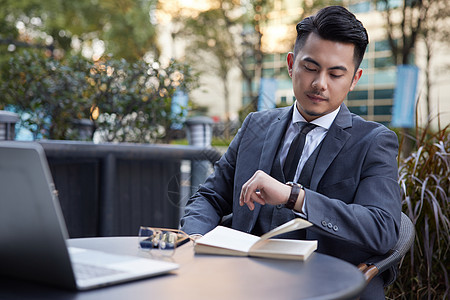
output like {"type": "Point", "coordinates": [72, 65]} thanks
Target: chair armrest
{"type": "Point", "coordinates": [369, 272]}
{"type": "Point", "coordinates": [378, 264]}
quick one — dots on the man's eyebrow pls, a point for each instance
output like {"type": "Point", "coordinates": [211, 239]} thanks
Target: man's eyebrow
{"type": "Point", "coordinates": [342, 68]}
{"type": "Point", "coordinates": [309, 59]}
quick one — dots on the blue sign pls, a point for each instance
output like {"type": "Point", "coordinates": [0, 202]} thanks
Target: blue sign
{"type": "Point", "coordinates": [405, 96]}
{"type": "Point", "coordinates": [179, 109]}
{"type": "Point", "coordinates": [267, 90]}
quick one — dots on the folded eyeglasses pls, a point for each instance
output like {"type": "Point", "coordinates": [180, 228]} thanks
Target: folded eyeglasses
{"type": "Point", "coordinates": [162, 239]}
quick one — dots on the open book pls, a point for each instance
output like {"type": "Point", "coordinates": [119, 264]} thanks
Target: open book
{"type": "Point", "coordinates": [226, 241]}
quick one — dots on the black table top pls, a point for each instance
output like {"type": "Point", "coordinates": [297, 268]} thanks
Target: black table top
{"type": "Point", "coordinates": [210, 277]}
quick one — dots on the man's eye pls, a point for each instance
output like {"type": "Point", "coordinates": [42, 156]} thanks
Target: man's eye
{"type": "Point", "coordinates": [336, 75]}
{"type": "Point", "coordinates": [309, 69]}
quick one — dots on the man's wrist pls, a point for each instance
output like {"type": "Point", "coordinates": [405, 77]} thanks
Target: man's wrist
{"type": "Point", "coordinates": [296, 189]}
{"type": "Point", "coordinates": [300, 204]}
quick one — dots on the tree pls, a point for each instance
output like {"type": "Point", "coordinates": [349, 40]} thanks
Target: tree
{"type": "Point", "coordinates": [230, 31]}
{"type": "Point", "coordinates": [402, 35]}
{"type": "Point", "coordinates": [406, 23]}
{"type": "Point", "coordinates": [403, 25]}
{"type": "Point", "coordinates": [434, 31]}
{"type": "Point", "coordinates": [129, 32]}
{"type": "Point", "coordinates": [310, 7]}
{"type": "Point", "coordinates": [251, 45]}
{"type": "Point", "coordinates": [229, 34]}
{"type": "Point", "coordinates": [124, 26]}
{"type": "Point", "coordinates": [209, 37]}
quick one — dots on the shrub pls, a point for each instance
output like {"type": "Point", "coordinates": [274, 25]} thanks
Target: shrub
{"type": "Point", "coordinates": [135, 100]}
{"type": "Point", "coordinates": [126, 102]}
{"type": "Point", "coordinates": [47, 93]}
{"type": "Point", "coordinates": [424, 177]}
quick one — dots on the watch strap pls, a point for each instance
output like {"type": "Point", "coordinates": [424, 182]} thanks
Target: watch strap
{"type": "Point", "coordinates": [295, 191]}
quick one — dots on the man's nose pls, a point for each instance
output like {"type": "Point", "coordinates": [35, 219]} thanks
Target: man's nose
{"type": "Point", "coordinates": [320, 82]}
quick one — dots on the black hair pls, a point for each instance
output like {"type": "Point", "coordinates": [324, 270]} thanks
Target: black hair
{"type": "Point", "coordinates": [334, 23]}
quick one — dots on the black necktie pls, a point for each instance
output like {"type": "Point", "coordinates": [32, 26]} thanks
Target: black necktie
{"type": "Point", "coordinates": [295, 151]}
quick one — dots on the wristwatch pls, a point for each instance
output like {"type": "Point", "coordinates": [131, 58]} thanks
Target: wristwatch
{"type": "Point", "coordinates": [296, 187]}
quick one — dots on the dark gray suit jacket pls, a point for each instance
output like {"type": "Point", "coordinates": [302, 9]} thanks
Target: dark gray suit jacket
{"type": "Point", "coordinates": [353, 200]}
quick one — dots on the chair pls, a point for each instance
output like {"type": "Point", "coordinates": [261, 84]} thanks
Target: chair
{"type": "Point", "coordinates": [378, 264]}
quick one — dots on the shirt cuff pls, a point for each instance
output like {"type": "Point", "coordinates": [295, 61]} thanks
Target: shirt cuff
{"type": "Point", "coordinates": [302, 213]}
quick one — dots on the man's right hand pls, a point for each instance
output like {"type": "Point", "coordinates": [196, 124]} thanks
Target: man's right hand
{"type": "Point", "coordinates": [264, 189]}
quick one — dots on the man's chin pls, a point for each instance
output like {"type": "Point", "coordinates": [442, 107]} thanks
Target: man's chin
{"type": "Point", "coordinates": [313, 114]}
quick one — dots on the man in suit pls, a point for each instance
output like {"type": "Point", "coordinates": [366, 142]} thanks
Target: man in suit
{"type": "Point", "coordinates": [345, 181]}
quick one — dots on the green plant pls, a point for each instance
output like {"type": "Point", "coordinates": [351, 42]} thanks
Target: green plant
{"type": "Point", "coordinates": [134, 101]}
{"type": "Point", "coordinates": [424, 177]}
{"type": "Point", "coordinates": [47, 93]}
{"type": "Point", "coordinates": [126, 102]}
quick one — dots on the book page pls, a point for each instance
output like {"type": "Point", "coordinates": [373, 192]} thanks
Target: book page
{"type": "Point", "coordinates": [284, 248]}
{"type": "Point", "coordinates": [227, 238]}
{"type": "Point", "coordinates": [292, 225]}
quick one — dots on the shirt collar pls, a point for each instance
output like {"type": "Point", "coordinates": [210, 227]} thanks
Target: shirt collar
{"type": "Point", "coordinates": [324, 121]}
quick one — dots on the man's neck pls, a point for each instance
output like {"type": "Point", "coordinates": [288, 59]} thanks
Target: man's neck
{"type": "Point", "coordinates": [324, 121]}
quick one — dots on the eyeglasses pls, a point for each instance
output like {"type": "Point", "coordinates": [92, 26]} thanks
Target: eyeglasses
{"type": "Point", "coordinates": [162, 239]}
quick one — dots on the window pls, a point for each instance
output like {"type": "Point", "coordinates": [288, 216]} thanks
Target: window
{"type": "Point", "coordinates": [364, 63]}
{"type": "Point", "coordinates": [382, 45]}
{"type": "Point", "coordinates": [249, 60]}
{"type": "Point", "coordinates": [373, 96]}
{"type": "Point", "coordinates": [364, 80]}
{"type": "Point", "coordinates": [358, 95]}
{"type": "Point", "coordinates": [383, 110]}
{"type": "Point", "coordinates": [383, 62]}
{"type": "Point", "coordinates": [381, 5]}
{"type": "Point", "coordinates": [268, 73]}
{"type": "Point", "coordinates": [268, 58]}
{"type": "Point", "coordinates": [359, 110]}
{"type": "Point", "coordinates": [359, 7]}
{"type": "Point", "coordinates": [385, 77]}
{"type": "Point", "coordinates": [384, 94]}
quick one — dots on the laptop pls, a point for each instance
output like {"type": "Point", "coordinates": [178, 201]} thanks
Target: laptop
{"type": "Point", "coordinates": [33, 233]}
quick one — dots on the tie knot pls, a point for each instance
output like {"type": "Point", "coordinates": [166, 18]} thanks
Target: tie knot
{"type": "Point", "coordinates": [307, 128]}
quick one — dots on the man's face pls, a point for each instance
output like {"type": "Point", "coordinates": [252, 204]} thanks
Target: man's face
{"type": "Point", "coordinates": [322, 74]}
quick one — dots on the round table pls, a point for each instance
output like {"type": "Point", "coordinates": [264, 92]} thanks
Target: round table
{"type": "Point", "coordinates": [211, 277]}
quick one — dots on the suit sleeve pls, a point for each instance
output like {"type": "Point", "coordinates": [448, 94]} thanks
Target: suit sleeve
{"type": "Point", "coordinates": [371, 221]}
{"type": "Point", "coordinates": [214, 199]}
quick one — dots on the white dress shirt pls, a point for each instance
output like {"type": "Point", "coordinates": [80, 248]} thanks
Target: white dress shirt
{"type": "Point", "coordinates": [313, 139]}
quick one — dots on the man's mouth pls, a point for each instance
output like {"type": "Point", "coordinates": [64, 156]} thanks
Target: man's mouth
{"type": "Point", "coordinates": [315, 97]}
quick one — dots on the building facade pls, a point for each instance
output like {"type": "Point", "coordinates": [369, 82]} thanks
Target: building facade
{"type": "Point", "coordinates": [372, 98]}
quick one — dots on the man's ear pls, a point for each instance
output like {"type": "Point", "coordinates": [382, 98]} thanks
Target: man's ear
{"type": "Point", "coordinates": [356, 78]}
{"type": "Point", "coordinates": [290, 63]}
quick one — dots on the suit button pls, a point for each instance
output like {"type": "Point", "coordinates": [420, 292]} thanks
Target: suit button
{"type": "Point", "coordinates": [330, 225]}
{"type": "Point", "coordinates": [324, 223]}
{"type": "Point", "coordinates": [335, 228]}
{"type": "Point", "coordinates": [280, 206]}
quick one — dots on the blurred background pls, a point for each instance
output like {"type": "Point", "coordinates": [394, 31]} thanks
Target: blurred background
{"type": "Point", "coordinates": [122, 77]}
{"type": "Point", "coordinates": [228, 58]}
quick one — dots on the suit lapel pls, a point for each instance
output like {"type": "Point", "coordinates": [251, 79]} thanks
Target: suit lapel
{"type": "Point", "coordinates": [332, 145]}
{"type": "Point", "coordinates": [273, 139]}
{"type": "Point", "coordinates": [271, 143]}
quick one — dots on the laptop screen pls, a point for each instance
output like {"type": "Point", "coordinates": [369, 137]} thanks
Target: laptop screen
{"type": "Point", "coordinates": [32, 229]}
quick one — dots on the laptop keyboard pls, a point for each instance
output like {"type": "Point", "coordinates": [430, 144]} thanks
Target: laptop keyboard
{"type": "Point", "coordinates": [84, 271]}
